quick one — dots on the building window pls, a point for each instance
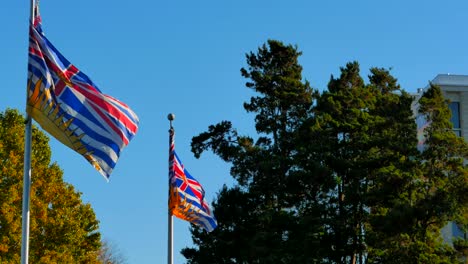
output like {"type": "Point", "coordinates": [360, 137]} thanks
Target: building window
{"type": "Point", "coordinates": [455, 119]}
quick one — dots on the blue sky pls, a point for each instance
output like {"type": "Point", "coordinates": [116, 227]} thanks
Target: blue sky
{"type": "Point", "coordinates": [184, 57]}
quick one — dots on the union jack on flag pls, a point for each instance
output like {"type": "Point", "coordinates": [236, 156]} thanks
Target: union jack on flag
{"type": "Point", "coordinates": [70, 107]}
{"type": "Point", "coordinates": [187, 197]}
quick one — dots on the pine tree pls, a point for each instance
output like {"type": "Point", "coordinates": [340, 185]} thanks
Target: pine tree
{"type": "Point", "coordinates": [343, 125]}
{"type": "Point", "coordinates": [394, 168]}
{"type": "Point", "coordinates": [412, 198]}
{"type": "Point", "coordinates": [443, 182]}
{"type": "Point", "coordinates": [257, 216]}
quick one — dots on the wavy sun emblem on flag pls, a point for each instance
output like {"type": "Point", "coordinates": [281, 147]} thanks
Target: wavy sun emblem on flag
{"type": "Point", "coordinates": [46, 111]}
{"type": "Point", "coordinates": [181, 207]}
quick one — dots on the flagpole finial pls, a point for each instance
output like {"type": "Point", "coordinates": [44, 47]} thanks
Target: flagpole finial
{"type": "Point", "coordinates": [171, 117]}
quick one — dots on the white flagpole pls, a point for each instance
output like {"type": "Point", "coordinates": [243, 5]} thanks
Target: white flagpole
{"type": "Point", "coordinates": [170, 234]}
{"type": "Point", "coordinates": [170, 246]}
{"type": "Point", "coordinates": [26, 192]}
{"type": "Point", "coordinates": [26, 175]}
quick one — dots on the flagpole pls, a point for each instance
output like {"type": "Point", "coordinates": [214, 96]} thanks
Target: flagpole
{"type": "Point", "coordinates": [26, 177]}
{"type": "Point", "coordinates": [26, 192]}
{"type": "Point", "coordinates": [170, 234]}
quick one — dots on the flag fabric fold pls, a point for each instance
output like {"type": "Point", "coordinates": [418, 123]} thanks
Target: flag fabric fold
{"type": "Point", "coordinates": [70, 107]}
{"type": "Point", "coordinates": [187, 196]}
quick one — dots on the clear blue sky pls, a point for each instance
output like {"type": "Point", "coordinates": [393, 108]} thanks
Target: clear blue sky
{"type": "Point", "coordinates": [184, 57]}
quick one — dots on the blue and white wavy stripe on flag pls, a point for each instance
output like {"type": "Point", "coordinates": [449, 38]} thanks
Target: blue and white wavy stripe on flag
{"type": "Point", "coordinates": [69, 106]}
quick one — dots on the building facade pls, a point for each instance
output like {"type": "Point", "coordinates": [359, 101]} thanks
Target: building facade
{"type": "Point", "coordinates": [455, 88]}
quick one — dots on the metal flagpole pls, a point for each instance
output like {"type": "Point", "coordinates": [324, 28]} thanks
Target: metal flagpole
{"type": "Point", "coordinates": [26, 176]}
{"type": "Point", "coordinates": [170, 244]}
{"type": "Point", "coordinates": [26, 192]}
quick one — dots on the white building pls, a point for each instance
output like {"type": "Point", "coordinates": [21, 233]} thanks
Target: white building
{"type": "Point", "coordinates": [455, 88]}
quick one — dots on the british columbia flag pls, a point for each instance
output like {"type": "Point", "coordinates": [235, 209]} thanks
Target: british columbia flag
{"type": "Point", "coordinates": [186, 195]}
{"type": "Point", "coordinates": [70, 107]}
